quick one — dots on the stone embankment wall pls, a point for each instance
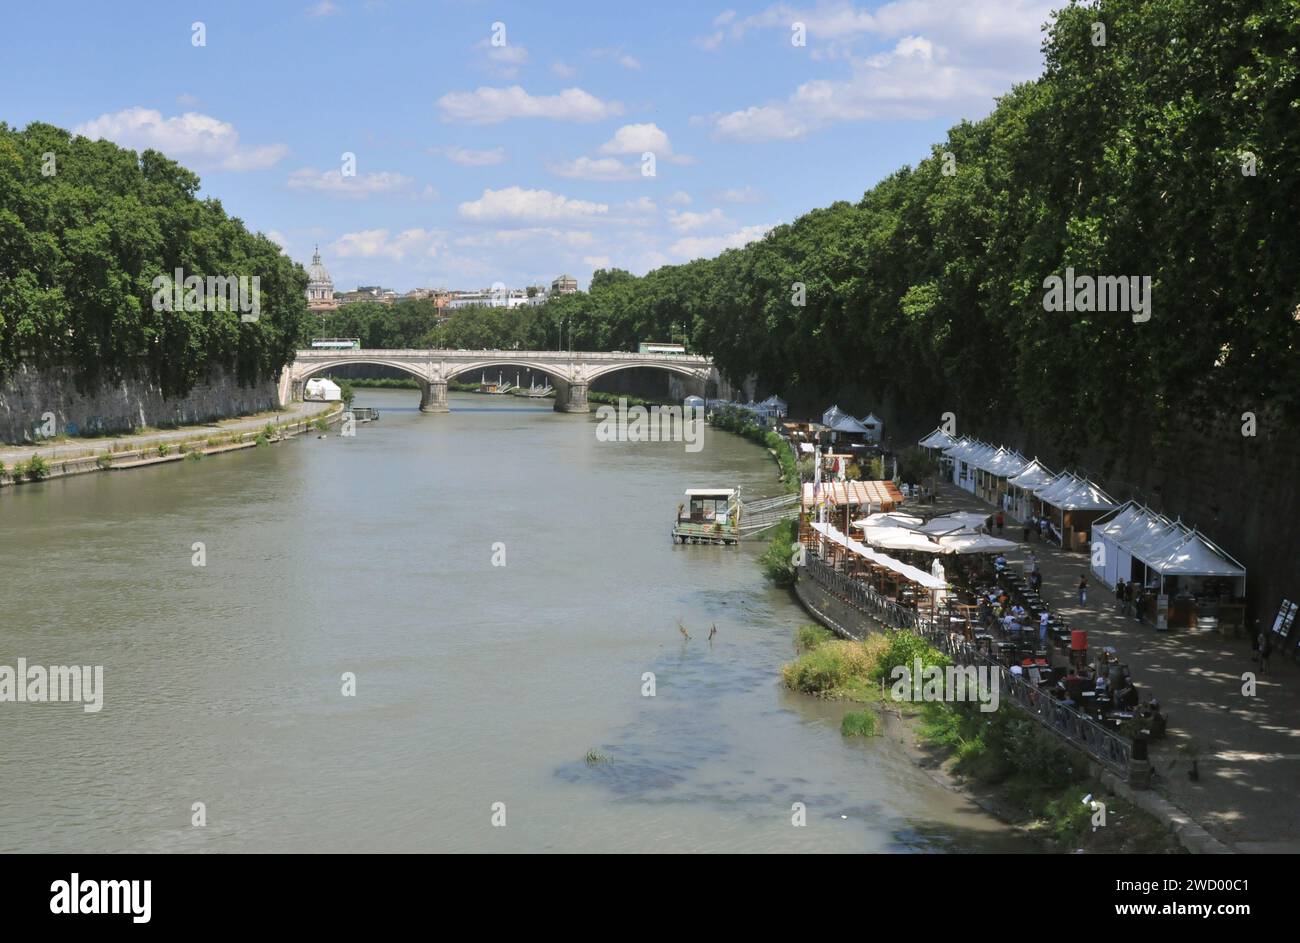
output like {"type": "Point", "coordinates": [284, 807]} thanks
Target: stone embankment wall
{"type": "Point", "coordinates": [29, 396]}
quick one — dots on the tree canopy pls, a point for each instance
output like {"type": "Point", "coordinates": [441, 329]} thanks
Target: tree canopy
{"type": "Point", "coordinates": [86, 227]}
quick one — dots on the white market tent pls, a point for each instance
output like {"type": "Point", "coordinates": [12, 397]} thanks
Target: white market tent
{"type": "Point", "coordinates": [874, 426]}
{"type": "Point", "coordinates": [1135, 536]}
{"type": "Point", "coordinates": [837, 420]}
{"type": "Point", "coordinates": [1086, 496]}
{"type": "Point", "coordinates": [1034, 475]}
{"type": "Point", "coordinates": [938, 440]}
{"type": "Point", "coordinates": [319, 389]}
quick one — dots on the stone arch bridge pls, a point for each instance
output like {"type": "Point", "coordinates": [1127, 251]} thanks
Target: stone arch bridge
{"type": "Point", "coordinates": [570, 372]}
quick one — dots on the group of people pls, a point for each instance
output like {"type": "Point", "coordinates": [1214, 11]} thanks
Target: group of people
{"type": "Point", "coordinates": [1130, 596]}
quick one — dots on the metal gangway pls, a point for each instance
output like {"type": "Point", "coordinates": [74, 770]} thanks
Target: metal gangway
{"type": "Point", "coordinates": [758, 516]}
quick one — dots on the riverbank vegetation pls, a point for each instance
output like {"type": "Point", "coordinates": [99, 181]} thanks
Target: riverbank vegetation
{"type": "Point", "coordinates": [742, 424]}
{"type": "Point", "coordinates": [777, 561]}
{"type": "Point", "coordinates": [1004, 757]}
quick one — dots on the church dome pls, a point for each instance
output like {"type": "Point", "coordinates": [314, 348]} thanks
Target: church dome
{"type": "Point", "coordinates": [320, 287]}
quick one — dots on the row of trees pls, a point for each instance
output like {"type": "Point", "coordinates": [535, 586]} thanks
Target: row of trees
{"type": "Point", "coordinates": [86, 227]}
{"type": "Point", "coordinates": [1166, 147]}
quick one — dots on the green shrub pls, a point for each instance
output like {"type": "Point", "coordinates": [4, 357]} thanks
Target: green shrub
{"type": "Point", "coordinates": [807, 637]}
{"type": "Point", "coordinates": [776, 561]}
{"type": "Point", "coordinates": [262, 440]}
{"type": "Point", "coordinates": [35, 469]}
{"type": "Point", "coordinates": [830, 669]}
{"type": "Point", "coordinates": [193, 456]}
{"type": "Point", "coordinates": [860, 724]}
{"type": "Point", "coordinates": [104, 460]}
{"type": "Point", "coordinates": [903, 649]}
{"type": "Point", "coordinates": [163, 449]}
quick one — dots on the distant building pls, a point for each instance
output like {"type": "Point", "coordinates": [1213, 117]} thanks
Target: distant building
{"type": "Point", "coordinates": [564, 285]}
{"type": "Point", "coordinates": [320, 287]}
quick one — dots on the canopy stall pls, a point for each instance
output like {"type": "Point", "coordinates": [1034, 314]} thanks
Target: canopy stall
{"type": "Point", "coordinates": [843, 427]}
{"type": "Point", "coordinates": [992, 473]}
{"type": "Point", "coordinates": [1185, 578]}
{"type": "Point", "coordinates": [875, 427]}
{"type": "Point", "coordinates": [1021, 487]}
{"type": "Point", "coordinates": [900, 538]}
{"type": "Point", "coordinates": [845, 500]}
{"type": "Point", "coordinates": [1071, 504]}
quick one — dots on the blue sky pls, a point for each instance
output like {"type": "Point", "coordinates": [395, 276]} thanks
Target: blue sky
{"type": "Point", "coordinates": [513, 153]}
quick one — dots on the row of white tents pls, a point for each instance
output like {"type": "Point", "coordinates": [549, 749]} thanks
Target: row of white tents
{"type": "Point", "coordinates": [1128, 541]}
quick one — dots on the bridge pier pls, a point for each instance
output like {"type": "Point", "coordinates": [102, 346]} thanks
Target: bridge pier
{"type": "Point", "coordinates": [433, 397]}
{"type": "Point", "coordinates": [571, 398]}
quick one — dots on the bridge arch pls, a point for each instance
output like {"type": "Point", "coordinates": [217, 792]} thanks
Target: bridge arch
{"type": "Point", "coordinates": [429, 396]}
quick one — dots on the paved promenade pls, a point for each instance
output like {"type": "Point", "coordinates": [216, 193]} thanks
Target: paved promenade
{"type": "Point", "coordinates": [1248, 794]}
{"type": "Point", "coordinates": [75, 448]}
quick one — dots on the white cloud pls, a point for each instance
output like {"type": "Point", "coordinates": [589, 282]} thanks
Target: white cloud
{"type": "Point", "coordinates": [278, 238]}
{"type": "Point", "coordinates": [468, 157]}
{"type": "Point", "coordinates": [639, 138]}
{"type": "Point", "coordinates": [359, 186]}
{"type": "Point", "coordinates": [504, 61]}
{"type": "Point", "coordinates": [190, 138]}
{"type": "Point", "coordinates": [695, 247]}
{"type": "Point", "coordinates": [378, 243]}
{"type": "Point", "coordinates": [739, 195]}
{"type": "Point", "coordinates": [944, 57]}
{"type": "Point", "coordinates": [563, 70]}
{"type": "Point", "coordinates": [680, 198]}
{"type": "Point", "coordinates": [324, 8]}
{"type": "Point", "coordinates": [517, 203]}
{"type": "Point", "coordinates": [629, 62]}
{"type": "Point", "coordinates": [685, 222]}
{"type": "Point", "coordinates": [641, 205]}
{"type": "Point", "coordinates": [489, 105]}
{"type": "Point", "coordinates": [598, 261]}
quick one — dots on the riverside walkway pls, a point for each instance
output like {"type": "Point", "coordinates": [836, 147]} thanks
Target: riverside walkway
{"type": "Point", "coordinates": [61, 449]}
{"type": "Point", "coordinates": [1248, 748]}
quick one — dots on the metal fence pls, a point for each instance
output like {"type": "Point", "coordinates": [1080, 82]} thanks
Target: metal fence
{"type": "Point", "coordinates": [1106, 746]}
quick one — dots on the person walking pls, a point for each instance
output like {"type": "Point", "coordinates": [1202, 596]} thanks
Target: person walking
{"type": "Point", "coordinates": [1083, 590]}
{"type": "Point", "coordinates": [1001, 521]}
{"type": "Point", "coordinates": [1265, 649]}
{"type": "Point", "coordinates": [1119, 593]}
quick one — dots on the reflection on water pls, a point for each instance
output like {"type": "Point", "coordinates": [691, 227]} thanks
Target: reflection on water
{"type": "Point", "coordinates": [475, 683]}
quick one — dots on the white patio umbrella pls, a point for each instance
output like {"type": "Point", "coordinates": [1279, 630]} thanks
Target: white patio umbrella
{"type": "Point", "coordinates": [975, 543]}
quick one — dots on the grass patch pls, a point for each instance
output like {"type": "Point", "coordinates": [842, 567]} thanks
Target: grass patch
{"type": "Point", "coordinates": [596, 758]}
{"type": "Point", "coordinates": [863, 723]}
{"type": "Point", "coordinates": [807, 637]}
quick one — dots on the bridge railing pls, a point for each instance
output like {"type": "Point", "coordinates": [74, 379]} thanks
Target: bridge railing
{"type": "Point", "coordinates": [514, 354]}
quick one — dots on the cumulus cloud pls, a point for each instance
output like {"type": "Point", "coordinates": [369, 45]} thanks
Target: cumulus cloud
{"type": "Point", "coordinates": [639, 138]}
{"type": "Point", "coordinates": [324, 8]}
{"type": "Point", "coordinates": [942, 57]}
{"type": "Point", "coordinates": [517, 203]}
{"type": "Point", "coordinates": [379, 243]}
{"type": "Point", "coordinates": [680, 198]}
{"type": "Point", "coordinates": [191, 138]}
{"type": "Point", "coordinates": [572, 238]}
{"type": "Point", "coordinates": [487, 105]}
{"type": "Point", "coordinates": [685, 222]}
{"type": "Point", "coordinates": [695, 247]}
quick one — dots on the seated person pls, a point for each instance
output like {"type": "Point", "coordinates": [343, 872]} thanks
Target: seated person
{"type": "Point", "coordinates": [1126, 698]}
{"type": "Point", "coordinates": [1073, 686]}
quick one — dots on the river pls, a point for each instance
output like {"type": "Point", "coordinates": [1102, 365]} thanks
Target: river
{"type": "Point", "coordinates": [475, 684]}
